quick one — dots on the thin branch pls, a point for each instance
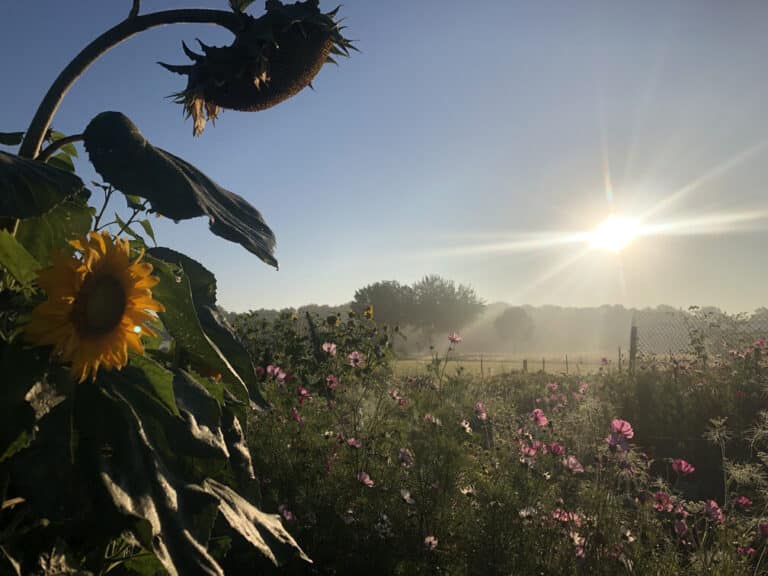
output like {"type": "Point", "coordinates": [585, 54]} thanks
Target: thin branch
{"type": "Point", "coordinates": [33, 139]}
{"type": "Point", "coordinates": [61, 142]}
{"type": "Point", "coordinates": [134, 9]}
{"type": "Point", "coordinates": [107, 196]}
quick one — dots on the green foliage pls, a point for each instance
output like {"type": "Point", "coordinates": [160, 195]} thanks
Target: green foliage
{"type": "Point", "coordinates": [15, 258]}
{"type": "Point", "coordinates": [514, 326]}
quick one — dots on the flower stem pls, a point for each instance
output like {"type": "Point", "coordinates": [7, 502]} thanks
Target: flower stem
{"type": "Point", "coordinates": [33, 138]}
{"type": "Point", "coordinates": [48, 152]}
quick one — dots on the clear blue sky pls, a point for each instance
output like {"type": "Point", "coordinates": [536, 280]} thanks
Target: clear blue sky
{"type": "Point", "coordinates": [460, 125]}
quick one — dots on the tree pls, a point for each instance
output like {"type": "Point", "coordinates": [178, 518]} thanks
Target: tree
{"type": "Point", "coordinates": [392, 302]}
{"type": "Point", "coordinates": [514, 326]}
{"type": "Point", "coordinates": [440, 305]}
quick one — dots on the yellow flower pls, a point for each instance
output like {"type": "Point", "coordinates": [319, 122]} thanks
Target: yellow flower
{"type": "Point", "coordinates": [98, 303]}
{"type": "Point", "coordinates": [368, 312]}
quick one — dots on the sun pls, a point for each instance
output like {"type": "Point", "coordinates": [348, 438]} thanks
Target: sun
{"type": "Point", "coordinates": [614, 234]}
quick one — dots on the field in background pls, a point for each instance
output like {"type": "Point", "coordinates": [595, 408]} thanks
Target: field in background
{"type": "Point", "coordinates": [494, 364]}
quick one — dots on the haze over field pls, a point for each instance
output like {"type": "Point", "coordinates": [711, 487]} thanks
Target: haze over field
{"type": "Point", "coordinates": [480, 141]}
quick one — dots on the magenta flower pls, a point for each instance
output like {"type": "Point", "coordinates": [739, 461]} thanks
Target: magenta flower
{"type": "Point", "coordinates": [573, 465]}
{"type": "Point", "coordinates": [530, 450]}
{"type": "Point", "coordinates": [681, 528]}
{"type": "Point", "coordinates": [260, 371]}
{"type": "Point", "coordinates": [557, 448]}
{"type": "Point", "coordinates": [746, 551]}
{"type": "Point", "coordinates": [430, 543]}
{"type": "Point", "coordinates": [583, 387]}
{"type": "Point", "coordinates": [354, 443]}
{"type": "Point", "coordinates": [287, 515]}
{"type": "Point", "coordinates": [331, 382]}
{"type": "Point", "coordinates": [742, 502]}
{"type": "Point", "coordinates": [454, 338]}
{"type": "Point", "coordinates": [296, 416]}
{"type": "Point", "coordinates": [364, 478]}
{"type": "Point", "coordinates": [760, 343]}
{"type": "Point", "coordinates": [763, 528]}
{"type": "Point", "coordinates": [682, 467]}
{"type": "Point", "coordinates": [714, 512]}
{"type": "Point", "coordinates": [662, 502]}
{"type": "Point", "coordinates": [623, 428]}
{"type": "Point", "coordinates": [552, 386]}
{"type": "Point", "coordinates": [329, 348]}
{"type": "Point", "coordinates": [538, 417]}
{"type": "Point", "coordinates": [481, 412]}
{"type": "Point", "coordinates": [271, 370]}
{"type": "Point", "coordinates": [303, 394]}
{"type": "Point", "coordinates": [356, 359]}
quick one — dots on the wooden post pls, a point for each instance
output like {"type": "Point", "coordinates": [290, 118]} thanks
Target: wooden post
{"type": "Point", "coordinates": [566, 363]}
{"type": "Point", "coordinates": [543, 365]}
{"type": "Point", "coordinates": [482, 372]}
{"type": "Point", "coordinates": [619, 359]}
{"type": "Point", "coordinates": [632, 350]}
{"type": "Point", "coordinates": [525, 366]}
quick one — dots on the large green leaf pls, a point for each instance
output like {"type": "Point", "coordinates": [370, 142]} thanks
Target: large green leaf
{"type": "Point", "coordinates": [203, 286]}
{"type": "Point", "coordinates": [41, 235]}
{"type": "Point", "coordinates": [181, 321]}
{"type": "Point", "coordinates": [29, 188]}
{"type": "Point", "coordinates": [175, 188]}
{"type": "Point", "coordinates": [15, 258]}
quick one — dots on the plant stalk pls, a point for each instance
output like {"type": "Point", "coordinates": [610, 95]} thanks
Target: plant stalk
{"type": "Point", "coordinates": [33, 138]}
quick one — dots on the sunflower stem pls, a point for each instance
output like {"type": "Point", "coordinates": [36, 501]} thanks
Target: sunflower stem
{"type": "Point", "coordinates": [33, 138]}
{"type": "Point", "coordinates": [107, 195]}
{"type": "Point", "coordinates": [136, 212]}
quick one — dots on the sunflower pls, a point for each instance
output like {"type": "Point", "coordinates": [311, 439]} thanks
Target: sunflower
{"type": "Point", "coordinates": [98, 304]}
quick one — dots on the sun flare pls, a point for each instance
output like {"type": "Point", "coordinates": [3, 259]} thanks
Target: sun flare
{"type": "Point", "coordinates": [614, 234]}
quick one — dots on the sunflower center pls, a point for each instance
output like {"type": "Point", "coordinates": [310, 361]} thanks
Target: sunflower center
{"type": "Point", "coordinates": [99, 306]}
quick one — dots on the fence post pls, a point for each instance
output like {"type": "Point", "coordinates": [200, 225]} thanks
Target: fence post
{"type": "Point", "coordinates": [543, 365]}
{"type": "Point", "coordinates": [619, 359]}
{"type": "Point", "coordinates": [632, 350]}
{"type": "Point", "coordinates": [566, 363]}
{"type": "Point", "coordinates": [525, 366]}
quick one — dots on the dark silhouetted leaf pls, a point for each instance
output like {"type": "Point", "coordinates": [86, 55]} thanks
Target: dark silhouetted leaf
{"type": "Point", "coordinates": [15, 258]}
{"type": "Point", "coordinates": [62, 162]}
{"type": "Point", "coordinates": [41, 235]}
{"type": "Point", "coordinates": [11, 138]}
{"type": "Point", "coordinates": [240, 5]}
{"type": "Point", "coordinates": [29, 188]}
{"type": "Point", "coordinates": [175, 188]}
{"type": "Point", "coordinates": [148, 229]}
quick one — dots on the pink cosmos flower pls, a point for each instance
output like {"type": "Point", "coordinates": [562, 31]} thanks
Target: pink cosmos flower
{"type": "Point", "coordinates": [329, 348]}
{"type": "Point", "coordinates": [557, 448]}
{"type": "Point", "coordinates": [681, 528]}
{"type": "Point", "coordinates": [682, 467]}
{"type": "Point", "coordinates": [763, 528]}
{"type": "Point", "coordinates": [742, 502]}
{"type": "Point", "coordinates": [714, 512]}
{"type": "Point", "coordinates": [356, 359]}
{"type": "Point", "coordinates": [552, 386]}
{"type": "Point", "coordinates": [271, 370]}
{"type": "Point", "coordinates": [583, 387]}
{"type": "Point", "coordinates": [331, 382]}
{"type": "Point", "coordinates": [662, 502]}
{"type": "Point", "coordinates": [364, 478]}
{"type": "Point", "coordinates": [303, 394]}
{"type": "Point", "coordinates": [430, 543]}
{"type": "Point", "coordinates": [740, 395]}
{"type": "Point", "coordinates": [538, 417]}
{"type": "Point", "coordinates": [354, 443]}
{"type": "Point", "coordinates": [760, 343]}
{"type": "Point", "coordinates": [454, 338]}
{"type": "Point", "coordinates": [260, 371]}
{"type": "Point", "coordinates": [287, 515]}
{"type": "Point", "coordinates": [530, 450]}
{"type": "Point", "coordinates": [481, 412]}
{"type": "Point", "coordinates": [746, 551]}
{"type": "Point", "coordinates": [296, 416]}
{"type": "Point", "coordinates": [623, 428]}
{"type": "Point", "coordinates": [432, 420]}
{"type": "Point", "coordinates": [573, 465]}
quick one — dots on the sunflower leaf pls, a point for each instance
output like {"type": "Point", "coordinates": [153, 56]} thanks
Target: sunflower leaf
{"type": "Point", "coordinates": [203, 287]}
{"type": "Point", "coordinates": [29, 188]}
{"type": "Point", "coordinates": [62, 162]}
{"type": "Point", "coordinates": [16, 259]}
{"type": "Point", "coordinates": [51, 231]}
{"type": "Point", "coordinates": [11, 138]}
{"type": "Point", "coordinates": [148, 229]}
{"type": "Point", "coordinates": [175, 188]}
{"type": "Point", "coordinates": [240, 5]}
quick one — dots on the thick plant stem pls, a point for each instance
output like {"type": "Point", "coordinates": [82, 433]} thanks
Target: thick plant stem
{"type": "Point", "coordinates": [33, 139]}
{"type": "Point", "coordinates": [50, 150]}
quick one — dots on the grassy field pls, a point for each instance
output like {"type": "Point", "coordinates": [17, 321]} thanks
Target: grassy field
{"type": "Point", "coordinates": [492, 365]}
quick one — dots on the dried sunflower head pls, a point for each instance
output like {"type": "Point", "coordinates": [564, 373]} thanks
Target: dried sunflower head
{"type": "Point", "coordinates": [272, 58]}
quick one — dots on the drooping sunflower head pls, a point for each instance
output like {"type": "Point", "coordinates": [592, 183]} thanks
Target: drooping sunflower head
{"type": "Point", "coordinates": [272, 58]}
{"type": "Point", "coordinates": [99, 301]}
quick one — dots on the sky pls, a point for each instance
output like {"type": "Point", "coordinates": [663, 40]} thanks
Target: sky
{"type": "Point", "coordinates": [475, 140]}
